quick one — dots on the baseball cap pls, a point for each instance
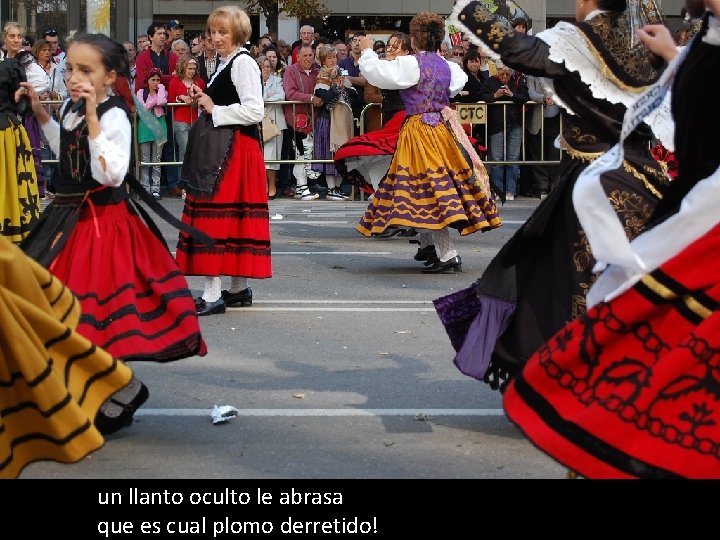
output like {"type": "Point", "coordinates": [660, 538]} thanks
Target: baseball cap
{"type": "Point", "coordinates": [175, 24]}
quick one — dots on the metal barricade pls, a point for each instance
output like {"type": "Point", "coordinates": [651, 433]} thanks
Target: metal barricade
{"type": "Point", "coordinates": [468, 113]}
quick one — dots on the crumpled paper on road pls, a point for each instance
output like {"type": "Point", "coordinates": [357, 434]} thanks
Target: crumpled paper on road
{"type": "Point", "coordinates": [223, 413]}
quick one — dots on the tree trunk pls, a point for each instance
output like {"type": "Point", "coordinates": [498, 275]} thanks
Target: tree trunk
{"type": "Point", "coordinates": [271, 12]}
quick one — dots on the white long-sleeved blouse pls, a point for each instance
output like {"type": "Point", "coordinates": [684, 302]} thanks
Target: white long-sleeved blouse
{"type": "Point", "coordinates": [403, 72]}
{"type": "Point", "coordinates": [245, 75]}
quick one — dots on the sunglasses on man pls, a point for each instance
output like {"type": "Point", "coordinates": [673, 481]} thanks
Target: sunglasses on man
{"type": "Point", "coordinates": [50, 33]}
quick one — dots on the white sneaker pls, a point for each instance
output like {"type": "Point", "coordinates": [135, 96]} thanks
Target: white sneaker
{"type": "Point", "coordinates": [304, 194]}
{"type": "Point", "coordinates": [335, 194]}
{"type": "Point", "coordinates": [509, 196]}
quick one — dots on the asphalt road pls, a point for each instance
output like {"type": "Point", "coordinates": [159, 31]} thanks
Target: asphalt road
{"type": "Point", "coordinates": [340, 369]}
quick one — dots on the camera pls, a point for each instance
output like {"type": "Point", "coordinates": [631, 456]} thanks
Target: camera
{"type": "Point", "coordinates": [344, 72]}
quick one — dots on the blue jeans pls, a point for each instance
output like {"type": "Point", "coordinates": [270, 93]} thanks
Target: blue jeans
{"type": "Point", "coordinates": [181, 130]}
{"type": "Point", "coordinates": [172, 172]}
{"type": "Point", "coordinates": [510, 172]}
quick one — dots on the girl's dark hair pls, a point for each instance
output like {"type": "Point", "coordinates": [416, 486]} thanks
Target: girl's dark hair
{"type": "Point", "coordinates": [154, 72]}
{"type": "Point", "coordinates": [272, 48]}
{"type": "Point", "coordinates": [113, 54]}
{"type": "Point", "coordinates": [612, 5]}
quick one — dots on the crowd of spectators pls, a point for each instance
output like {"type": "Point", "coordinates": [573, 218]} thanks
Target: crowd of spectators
{"type": "Point", "coordinates": [164, 48]}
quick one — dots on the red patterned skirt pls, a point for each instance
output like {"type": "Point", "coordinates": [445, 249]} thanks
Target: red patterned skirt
{"type": "Point", "coordinates": [236, 217]}
{"type": "Point", "coordinates": [135, 301]}
{"type": "Point", "coordinates": [632, 389]}
{"type": "Point", "coordinates": [381, 142]}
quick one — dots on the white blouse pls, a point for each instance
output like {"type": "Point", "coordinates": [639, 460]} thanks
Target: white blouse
{"type": "Point", "coordinates": [38, 77]}
{"type": "Point", "coordinates": [403, 72]}
{"type": "Point", "coordinates": [113, 144]}
{"type": "Point", "coordinates": [245, 75]}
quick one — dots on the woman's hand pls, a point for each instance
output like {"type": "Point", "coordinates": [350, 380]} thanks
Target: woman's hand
{"type": "Point", "coordinates": [26, 90]}
{"type": "Point", "coordinates": [501, 92]}
{"type": "Point", "coordinates": [201, 98]}
{"type": "Point", "coordinates": [657, 38]}
{"type": "Point", "coordinates": [86, 91]}
{"type": "Point", "coordinates": [366, 42]}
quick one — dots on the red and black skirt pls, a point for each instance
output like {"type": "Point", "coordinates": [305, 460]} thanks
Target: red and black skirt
{"type": "Point", "coordinates": [236, 216]}
{"type": "Point", "coordinates": [135, 301]}
{"type": "Point", "coordinates": [632, 388]}
{"type": "Point", "coordinates": [380, 142]}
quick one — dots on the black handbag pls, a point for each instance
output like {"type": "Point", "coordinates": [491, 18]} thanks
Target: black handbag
{"type": "Point", "coordinates": [208, 149]}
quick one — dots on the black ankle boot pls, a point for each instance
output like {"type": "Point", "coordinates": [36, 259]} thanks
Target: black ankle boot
{"type": "Point", "coordinates": [426, 254]}
{"type": "Point", "coordinates": [242, 298]}
{"type": "Point", "coordinates": [117, 412]}
{"type": "Point", "coordinates": [439, 267]}
{"type": "Point", "coordinates": [203, 308]}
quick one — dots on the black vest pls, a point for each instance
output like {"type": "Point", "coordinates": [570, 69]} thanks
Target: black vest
{"type": "Point", "coordinates": [222, 91]}
{"type": "Point", "coordinates": [75, 173]}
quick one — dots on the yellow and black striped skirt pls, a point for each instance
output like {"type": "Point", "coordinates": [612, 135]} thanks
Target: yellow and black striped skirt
{"type": "Point", "coordinates": [52, 379]}
{"type": "Point", "coordinates": [19, 194]}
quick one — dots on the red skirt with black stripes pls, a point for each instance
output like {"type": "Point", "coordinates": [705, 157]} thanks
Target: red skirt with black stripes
{"type": "Point", "coordinates": [236, 217]}
{"type": "Point", "coordinates": [632, 389]}
{"type": "Point", "coordinates": [135, 301]}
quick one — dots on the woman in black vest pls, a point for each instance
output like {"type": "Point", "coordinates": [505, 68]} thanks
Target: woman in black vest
{"type": "Point", "coordinates": [224, 173]}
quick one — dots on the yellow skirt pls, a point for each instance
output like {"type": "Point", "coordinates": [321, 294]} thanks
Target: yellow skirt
{"type": "Point", "coordinates": [19, 204]}
{"type": "Point", "coordinates": [52, 379]}
{"type": "Point", "coordinates": [430, 184]}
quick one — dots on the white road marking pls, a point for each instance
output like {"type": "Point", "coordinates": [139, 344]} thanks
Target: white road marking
{"type": "Point", "coordinates": [333, 309]}
{"type": "Point", "coordinates": [361, 253]}
{"type": "Point", "coordinates": [344, 302]}
{"type": "Point", "coordinates": [308, 222]}
{"type": "Point", "coordinates": [370, 253]}
{"type": "Point", "coordinates": [327, 412]}
{"type": "Point", "coordinates": [332, 305]}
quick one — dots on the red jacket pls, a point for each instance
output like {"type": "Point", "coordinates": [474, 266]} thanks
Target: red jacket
{"type": "Point", "coordinates": [299, 86]}
{"type": "Point", "coordinates": [183, 113]}
{"type": "Point", "coordinates": [121, 87]}
{"type": "Point", "coordinates": [144, 63]}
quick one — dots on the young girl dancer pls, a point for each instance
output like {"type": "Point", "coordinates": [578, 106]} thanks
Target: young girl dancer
{"type": "Point", "coordinates": [135, 301]}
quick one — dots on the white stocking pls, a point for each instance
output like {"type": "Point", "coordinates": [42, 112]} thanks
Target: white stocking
{"type": "Point", "coordinates": [425, 238]}
{"type": "Point", "coordinates": [238, 284]}
{"type": "Point", "coordinates": [212, 289]}
{"type": "Point", "coordinates": [443, 245]}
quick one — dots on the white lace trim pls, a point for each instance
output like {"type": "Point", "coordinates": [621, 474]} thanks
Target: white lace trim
{"type": "Point", "coordinates": [569, 46]}
{"type": "Point", "coordinates": [629, 261]}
